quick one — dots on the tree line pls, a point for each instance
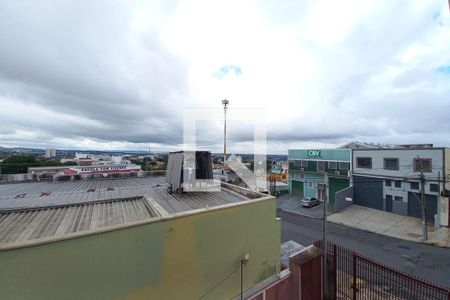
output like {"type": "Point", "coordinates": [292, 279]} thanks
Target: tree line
{"type": "Point", "coordinates": [17, 164]}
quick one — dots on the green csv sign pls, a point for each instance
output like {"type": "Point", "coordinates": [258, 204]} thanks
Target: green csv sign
{"type": "Point", "coordinates": [313, 153]}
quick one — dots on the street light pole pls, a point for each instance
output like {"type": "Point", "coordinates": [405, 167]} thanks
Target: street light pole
{"type": "Point", "coordinates": [225, 102]}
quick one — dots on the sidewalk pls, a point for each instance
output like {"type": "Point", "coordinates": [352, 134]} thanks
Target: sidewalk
{"type": "Point", "coordinates": [386, 223]}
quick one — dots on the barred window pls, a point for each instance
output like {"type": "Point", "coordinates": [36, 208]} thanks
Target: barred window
{"type": "Point", "coordinates": [391, 164]}
{"type": "Point", "coordinates": [422, 164]}
{"type": "Point", "coordinates": [434, 187]}
{"type": "Point", "coordinates": [332, 165]}
{"type": "Point", "coordinates": [344, 166]}
{"type": "Point", "coordinates": [320, 166]}
{"type": "Point", "coordinates": [414, 185]}
{"type": "Point", "coordinates": [364, 162]}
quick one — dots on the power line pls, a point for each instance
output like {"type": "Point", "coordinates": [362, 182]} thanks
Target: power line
{"type": "Point", "coordinates": [219, 283]}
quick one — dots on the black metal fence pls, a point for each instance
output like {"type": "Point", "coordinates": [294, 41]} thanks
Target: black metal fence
{"type": "Point", "coordinates": [353, 276]}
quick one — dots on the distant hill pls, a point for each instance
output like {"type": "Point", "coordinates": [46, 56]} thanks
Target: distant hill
{"type": "Point", "coordinates": [21, 149]}
{"type": "Point", "coordinates": [3, 149]}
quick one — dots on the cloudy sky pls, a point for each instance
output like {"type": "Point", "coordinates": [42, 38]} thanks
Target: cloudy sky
{"type": "Point", "coordinates": [119, 74]}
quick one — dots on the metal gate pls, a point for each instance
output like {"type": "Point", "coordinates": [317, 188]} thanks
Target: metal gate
{"type": "Point", "coordinates": [353, 276]}
{"type": "Point", "coordinates": [415, 206]}
{"type": "Point", "coordinates": [297, 188]}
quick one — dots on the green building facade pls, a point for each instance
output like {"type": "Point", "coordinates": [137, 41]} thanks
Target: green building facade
{"type": "Point", "coordinates": [309, 169]}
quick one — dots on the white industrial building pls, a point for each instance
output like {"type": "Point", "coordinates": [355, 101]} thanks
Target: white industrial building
{"type": "Point", "coordinates": [389, 179]}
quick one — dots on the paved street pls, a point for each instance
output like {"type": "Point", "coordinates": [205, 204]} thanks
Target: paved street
{"type": "Point", "coordinates": [292, 203]}
{"type": "Point", "coordinates": [425, 261]}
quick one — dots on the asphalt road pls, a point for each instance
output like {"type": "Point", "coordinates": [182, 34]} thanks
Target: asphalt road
{"type": "Point", "coordinates": [424, 261]}
{"type": "Point", "coordinates": [292, 203]}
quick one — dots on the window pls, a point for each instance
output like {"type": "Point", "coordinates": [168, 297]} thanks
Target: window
{"type": "Point", "coordinates": [391, 164]}
{"type": "Point", "coordinates": [422, 164]}
{"type": "Point", "coordinates": [364, 162]}
{"type": "Point", "coordinates": [296, 163]}
{"type": "Point", "coordinates": [398, 184]}
{"type": "Point", "coordinates": [320, 166]}
{"type": "Point", "coordinates": [344, 166]}
{"type": "Point", "coordinates": [387, 182]}
{"type": "Point", "coordinates": [414, 185]}
{"type": "Point", "coordinates": [310, 184]}
{"type": "Point", "coordinates": [398, 198]}
{"type": "Point", "coordinates": [332, 165]}
{"type": "Point", "coordinates": [304, 163]}
{"type": "Point", "coordinates": [434, 187]}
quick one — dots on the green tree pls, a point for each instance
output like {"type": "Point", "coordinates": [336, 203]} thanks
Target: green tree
{"type": "Point", "coordinates": [16, 164]}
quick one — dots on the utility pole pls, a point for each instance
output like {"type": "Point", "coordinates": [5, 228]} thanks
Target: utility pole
{"type": "Point", "coordinates": [275, 185]}
{"type": "Point", "coordinates": [422, 191]}
{"type": "Point", "coordinates": [225, 102]}
{"type": "Point", "coordinates": [324, 238]}
{"type": "Point", "coordinates": [436, 224]}
{"type": "Point", "coordinates": [270, 178]}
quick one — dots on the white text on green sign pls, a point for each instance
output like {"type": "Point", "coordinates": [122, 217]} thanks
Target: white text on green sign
{"type": "Point", "coordinates": [314, 153]}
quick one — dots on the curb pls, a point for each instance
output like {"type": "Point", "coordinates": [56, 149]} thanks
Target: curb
{"type": "Point", "coordinates": [435, 244]}
{"type": "Point", "coordinates": [300, 214]}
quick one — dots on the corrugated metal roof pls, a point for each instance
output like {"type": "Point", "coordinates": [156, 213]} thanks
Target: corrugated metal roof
{"type": "Point", "coordinates": [34, 224]}
{"type": "Point", "coordinates": [36, 211]}
{"type": "Point", "coordinates": [42, 194]}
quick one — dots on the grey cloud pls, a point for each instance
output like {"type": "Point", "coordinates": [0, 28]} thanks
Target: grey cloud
{"type": "Point", "coordinates": [88, 63]}
{"type": "Point", "coordinates": [91, 64]}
